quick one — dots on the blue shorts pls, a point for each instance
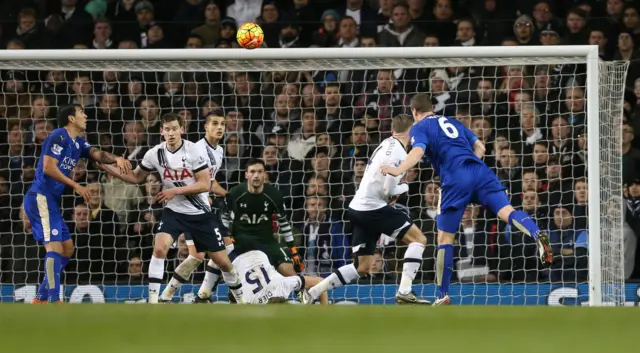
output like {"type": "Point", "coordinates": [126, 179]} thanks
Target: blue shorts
{"type": "Point", "coordinates": [470, 183]}
{"type": "Point", "coordinates": [44, 213]}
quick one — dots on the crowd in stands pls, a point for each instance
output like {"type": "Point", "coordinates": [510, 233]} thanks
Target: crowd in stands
{"type": "Point", "coordinates": [316, 129]}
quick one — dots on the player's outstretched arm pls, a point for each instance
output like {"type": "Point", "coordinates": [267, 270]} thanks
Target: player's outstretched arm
{"type": "Point", "coordinates": [136, 177]}
{"type": "Point", "coordinates": [414, 156]}
{"type": "Point", "coordinates": [103, 157]}
{"type": "Point", "coordinates": [310, 281]}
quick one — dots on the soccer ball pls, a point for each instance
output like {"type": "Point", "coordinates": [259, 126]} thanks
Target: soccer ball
{"type": "Point", "coordinates": [250, 35]}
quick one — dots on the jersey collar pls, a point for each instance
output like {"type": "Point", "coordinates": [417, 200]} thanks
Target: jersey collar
{"type": "Point", "coordinates": [177, 149]}
{"type": "Point", "coordinates": [401, 144]}
{"type": "Point", "coordinates": [210, 145]}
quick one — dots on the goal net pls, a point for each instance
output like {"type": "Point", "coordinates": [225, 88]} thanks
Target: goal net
{"type": "Point", "coordinates": [551, 118]}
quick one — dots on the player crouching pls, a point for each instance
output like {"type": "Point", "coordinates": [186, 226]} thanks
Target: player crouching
{"type": "Point", "coordinates": [370, 214]}
{"type": "Point", "coordinates": [264, 285]}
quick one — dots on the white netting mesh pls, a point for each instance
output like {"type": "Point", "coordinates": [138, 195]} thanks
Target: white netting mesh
{"type": "Point", "coordinates": [530, 111]}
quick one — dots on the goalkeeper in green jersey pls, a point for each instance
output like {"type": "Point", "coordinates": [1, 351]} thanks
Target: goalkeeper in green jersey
{"type": "Point", "coordinates": [249, 217]}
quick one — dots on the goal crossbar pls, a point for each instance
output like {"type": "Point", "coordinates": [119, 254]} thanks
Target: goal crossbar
{"type": "Point", "coordinates": [288, 59]}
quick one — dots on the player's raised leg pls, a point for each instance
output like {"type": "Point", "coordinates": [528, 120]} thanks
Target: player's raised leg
{"type": "Point", "coordinates": [212, 276]}
{"type": "Point", "coordinates": [498, 203]}
{"type": "Point", "coordinates": [161, 244]}
{"type": "Point", "coordinates": [416, 242]}
{"type": "Point", "coordinates": [182, 273]}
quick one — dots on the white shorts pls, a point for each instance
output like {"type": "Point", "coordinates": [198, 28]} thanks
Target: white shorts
{"type": "Point", "coordinates": [281, 287]}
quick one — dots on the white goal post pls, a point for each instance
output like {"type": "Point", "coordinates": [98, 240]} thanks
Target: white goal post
{"type": "Point", "coordinates": [604, 88]}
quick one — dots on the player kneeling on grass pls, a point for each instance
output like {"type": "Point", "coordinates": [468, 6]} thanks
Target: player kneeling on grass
{"type": "Point", "coordinates": [264, 285]}
{"type": "Point", "coordinates": [370, 214]}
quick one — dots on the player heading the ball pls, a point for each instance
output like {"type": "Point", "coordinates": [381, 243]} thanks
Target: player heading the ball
{"type": "Point", "coordinates": [371, 213]}
{"type": "Point", "coordinates": [61, 151]}
{"type": "Point", "coordinates": [455, 154]}
{"type": "Point", "coordinates": [184, 169]}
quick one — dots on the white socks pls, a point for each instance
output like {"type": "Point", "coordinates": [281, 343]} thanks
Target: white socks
{"type": "Point", "coordinates": [156, 272]}
{"type": "Point", "coordinates": [211, 277]}
{"type": "Point", "coordinates": [232, 280]}
{"type": "Point", "coordinates": [180, 275]}
{"type": "Point", "coordinates": [344, 275]}
{"type": "Point", "coordinates": [412, 261]}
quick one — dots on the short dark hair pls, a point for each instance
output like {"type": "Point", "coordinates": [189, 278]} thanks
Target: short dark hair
{"type": "Point", "coordinates": [254, 161]}
{"type": "Point", "coordinates": [65, 112]}
{"type": "Point", "coordinates": [421, 102]}
{"type": "Point", "coordinates": [169, 117]}
{"type": "Point", "coordinates": [212, 115]}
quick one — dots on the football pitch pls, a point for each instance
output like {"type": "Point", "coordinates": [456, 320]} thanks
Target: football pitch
{"type": "Point", "coordinates": [119, 328]}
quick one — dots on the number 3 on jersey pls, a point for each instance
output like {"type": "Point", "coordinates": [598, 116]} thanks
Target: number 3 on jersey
{"type": "Point", "coordinates": [448, 128]}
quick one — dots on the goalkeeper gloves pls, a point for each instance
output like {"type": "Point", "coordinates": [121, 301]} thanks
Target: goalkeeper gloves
{"type": "Point", "coordinates": [298, 265]}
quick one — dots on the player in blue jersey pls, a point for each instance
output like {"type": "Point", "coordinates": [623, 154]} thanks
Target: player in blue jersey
{"type": "Point", "coordinates": [455, 154]}
{"type": "Point", "coordinates": [60, 154]}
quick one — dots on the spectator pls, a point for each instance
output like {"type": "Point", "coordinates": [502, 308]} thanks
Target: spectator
{"type": "Point", "coordinates": [102, 32]}
{"type": "Point", "coordinates": [210, 30]}
{"type": "Point", "coordinates": [327, 34]}
{"type": "Point", "coordinates": [325, 243]}
{"type": "Point", "coordinates": [400, 32]}
{"type": "Point", "coordinates": [524, 31]}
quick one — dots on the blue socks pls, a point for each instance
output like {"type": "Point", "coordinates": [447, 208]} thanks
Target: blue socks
{"type": "Point", "coordinates": [43, 290]}
{"type": "Point", "coordinates": [444, 268]}
{"type": "Point", "coordinates": [524, 223]}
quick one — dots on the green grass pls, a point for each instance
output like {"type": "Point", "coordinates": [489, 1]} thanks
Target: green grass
{"type": "Point", "coordinates": [113, 328]}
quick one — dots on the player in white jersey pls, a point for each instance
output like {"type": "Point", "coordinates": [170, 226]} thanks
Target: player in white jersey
{"type": "Point", "coordinates": [214, 132]}
{"type": "Point", "coordinates": [184, 170]}
{"type": "Point", "coordinates": [370, 213]}
{"type": "Point", "coordinates": [263, 284]}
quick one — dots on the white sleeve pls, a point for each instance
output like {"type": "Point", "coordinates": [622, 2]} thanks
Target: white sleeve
{"type": "Point", "coordinates": [147, 163]}
{"type": "Point", "coordinates": [200, 159]}
{"type": "Point", "coordinates": [393, 185]}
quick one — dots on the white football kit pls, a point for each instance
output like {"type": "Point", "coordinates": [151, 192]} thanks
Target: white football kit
{"type": "Point", "coordinates": [215, 155]}
{"type": "Point", "coordinates": [376, 189]}
{"type": "Point", "coordinates": [179, 168]}
{"type": "Point", "coordinates": [261, 281]}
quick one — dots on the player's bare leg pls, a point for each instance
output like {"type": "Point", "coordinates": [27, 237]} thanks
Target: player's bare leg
{"type": "Point", "coordinates": [411, 264]}
{"type": "Point", "coordinates": [161, 244]}
{"type": "Point", "coordinates": [229, 273]}
{"type": "Point", "coordinates": [286, 269]}
{"type": "Point", "coordinates": [212, 276]}
{"type": "Point", "coordinates": [342, 276]}
{"type": "Point", "coordinates": [444, 266]}
{"type": "Point", "coordinates": [65, 250]}
{"type": "Point", "coordinates": [182, 273]}
{"type": "Point", "coordinates": [526, 225]}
